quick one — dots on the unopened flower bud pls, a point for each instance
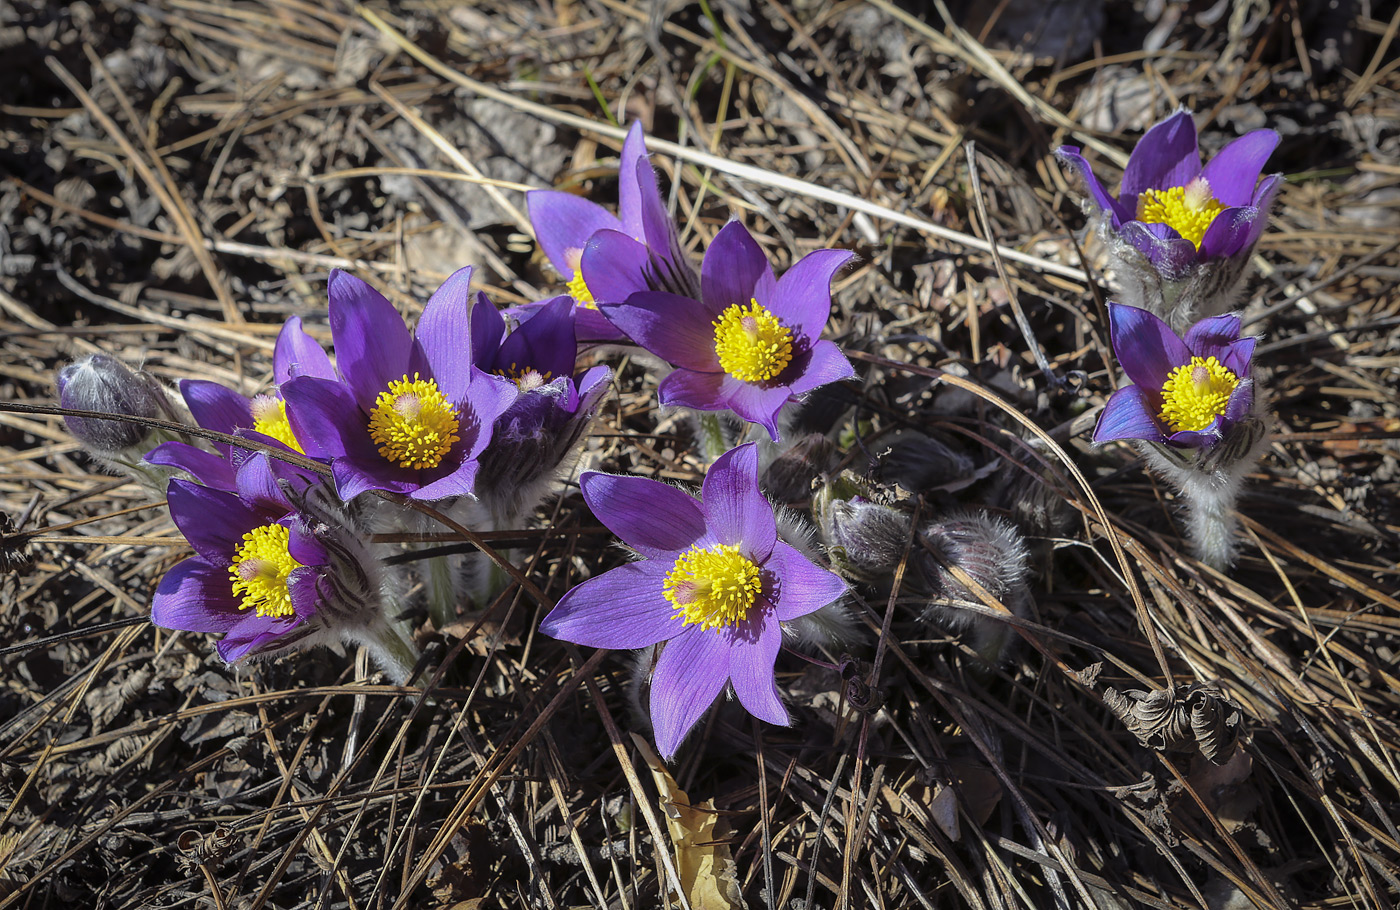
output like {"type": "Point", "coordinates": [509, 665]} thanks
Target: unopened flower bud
{"type": "Point", "coordinates": [990, 554]}
{"type": "Point", "coordinates": [102, 383]}
{"type": "Point", "coordinates": [865, 539]}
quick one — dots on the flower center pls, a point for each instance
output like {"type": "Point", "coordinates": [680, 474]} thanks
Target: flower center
{"type": "Point", "coordinates": [753, 346]}
{"type": "Point", "coordinates": [527, 379]}
{"type": "Point", "coordinates": [259, 571]}
{"type": "Point", "coordinates": [1188, 209]}
{"type": "Point", "coordinates": [714, 587]}
{"type": "Point", "coordinates": [413, 423]}
{"type": "Point", "coordinates": [578, 289]}
{"type": "Point", "coordinates": [270, 419]}
{"type": "Point", "coordinates": [1195, 395]}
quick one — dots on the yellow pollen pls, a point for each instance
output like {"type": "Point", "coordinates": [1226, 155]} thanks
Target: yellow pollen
{"type": "Point", "coordinates": [578, 289]}
{"type": "Point", "coordinates": [1188, 210]}
{"type": "Point", "coordinates": [1195, 394]}
{"type": "Point", "coordinates": [714, 587]}
{"type": "Point", "coordinates": [270, 419]}
{"type": "Point", "coordinates": [413, 423]}
{"type": "Point", "coordinates": [753, 346]}
{"type": "Point", "coordinates": [259, 571]}
{"type": "Point", "coordinates": [526, 378]}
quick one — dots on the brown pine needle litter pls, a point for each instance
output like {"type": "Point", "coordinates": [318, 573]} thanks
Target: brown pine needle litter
{"type": "Point", "coordinates": [179, 176]}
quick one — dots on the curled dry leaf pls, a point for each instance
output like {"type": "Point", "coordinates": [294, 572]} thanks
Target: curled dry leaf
{"type": "Point", "coordinates": [1198, 716]}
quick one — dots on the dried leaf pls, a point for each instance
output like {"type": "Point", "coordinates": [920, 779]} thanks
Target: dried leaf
{"type": "Point", "coordinates": [1198, 716]}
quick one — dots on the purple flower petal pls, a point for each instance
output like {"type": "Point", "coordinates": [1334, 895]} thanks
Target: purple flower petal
{"type": "Point", "coordinates": [799, 586]}
{"type": "Point", "coordinates": [669, 268]}
{"type": "Point", "coordinates": [593, 327]}
{"type": "Point", "coordinates": [1233, 172]}
{"type": "Point", "coordinates": [302, 543]}
{"type": "Point", "coordinates": [489, 330]}
{"type": "Point", "coordinates": [216, 407]}
{"type": "Point", "coordinates": [1229, 232]}
{"type": "Point", "coordinates": [545, 343]}
{"type": "Point", "coordinates": [676, 329]}
{"type": "Point", "coordinates": [623, 608]}
{"type": "Point", "coordinates": [691, 672]}
{"type": "Point", "coordinates": [629, 195]}
{"type": "Point", "coordinates": [1240, 404]}
{"type": "Point", "coordinates": [1171, 255]}
{"type": "Point", "coordinates": [195, 597]}
{"type": "Point", "coordinates": [209, 469]}
{"type": "Point", "coordinates": [734, 271]}
{"type": "Point", "coordinates": [823, 365]}
{"type": "Point", "coordinates": [1166, 156]}
{"type": "Point", "coordinates": [302, 586]}
{"type": "Point", "coordinates": [1236, 356]}
{"type": "Point", "coordinates": [736, 512]}
{"type": "Point", "coordinates": [614, 266]}
{"type": "Point", "coordinates": [257, 485]}
{"type": "Point", "coordinates": [258, 633]}
{"type": "Point", "coordinates": [354, 475]}
{"type": "Point", "coordinates": [1147, 348]}
{"type": "Point", "coordinates": [326, 419]}
{"type": "Point", "coordinates": [213, 521]}
{"type": "Point", "coordinates": [563, 223]}
{"type": "Point", "coordinates": [442, 335]}
{"type": "Point", "coordinates": [1128, 415]}
{"type": "Point", "coordinates": [1210, 337]}
{"type": "Point", "coordinates": [461, 482]}
{"type": "Point", "coordinates": [297, 354]}
{"type": "Point", "coordinates": [372, 344]}
{"type": "Point", "coordinates": [753, 652]}
{"type": "Point", "coordinates": [488, 397]}
{"type": "Point", "coordinates": [651, 517]}
{"type": "Point", "coordinates": [802, 300]}
{"type": "Point", "coordinates": [1118, 212]}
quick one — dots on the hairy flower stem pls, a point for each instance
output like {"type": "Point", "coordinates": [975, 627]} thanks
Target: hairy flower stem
{"type": "Point", "coordinates": [440, 588]}
{"type": "Point", "coordinates": [395, 654]}
{"type": "Point", "coordinates": [714, 441]}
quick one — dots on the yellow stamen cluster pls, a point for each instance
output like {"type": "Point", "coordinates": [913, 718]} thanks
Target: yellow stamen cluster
{"type": "Point", "coordinates": [1188, 210]}
{"type": "Point", "coordinates": [753, 346]}
{"type": "Point", "coordinates": [270, 419]}
{"type": "Point", "coordinates": [259, 571]}
{"type": "Point", "coordinates": [1195, 394]}
{"type": "Point", "coordinates": [714, 587]}
{"type": "Point", "coordinates": [526, 378]}
{"type": "Point", "coordinates": [578, 289]}
{"type": "Point", "coordinates": [413, 423]}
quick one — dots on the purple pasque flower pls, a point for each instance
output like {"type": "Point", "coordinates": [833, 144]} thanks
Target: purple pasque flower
{"type": "Point", "coordinates": [606, 257]}
{"type": "Point", "coordinates": [714, 583]}
{"type": "Point", "coordinates": [258, 569]}
{"type": "Point", "coordinates": [1178, 213]}
{"type": "Point", "coordinates": [752, 342]}
{"type": "Point", "coordinates": [262, 417]}
{"type": "Point", "coordinates": [411, 413]}
{"type": "Point", "coordinates": [1186, 392]}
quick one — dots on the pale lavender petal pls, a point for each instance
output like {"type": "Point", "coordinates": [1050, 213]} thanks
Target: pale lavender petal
{"type": "Point", "coordinates": [733, 268]}
{"type": "Point", "coordinates": [372, 344]}
{"type": "Point", "coordinates": [802, 301]}
{"type": "Point", "coordinates": [1147, 348]}
{"type": "Point", "coordinates": [691, 672]}
{"type": "Point", "coordinates": [651, 517]}
{"type": "Point", "coordinates": [326, 419]}
{"type": "Point", "coordinates": [797, 586]}
{"type": "Point", "coordinates": [1166, 156]}
{"type": "Point", "coordinates": [195, 597]}
{"type": "Point", "coordinates": [822, 365]}
{"type": "Point", "coordinates": [1233, 172]}
{"type": "Point", "coordinates": [614, 267]}
{"type": "Point", "coordinates": [298, 354]}
{"type": "Point", "coordinates": [563, 223]}
{"type": "Point", "coordinates": [674, 328]}
{"type": "Point", "coordinates": [753, 652]}
{"type": "Point", "coordinates": [1118, 212]}
{"type": "Point", "coordinates": [1210, 337]}
{"type": "Point", "coordinates": [623, 608]}
{"type": "Point", "coordinates": [736, 511]}
{"type": "Point", "coordinates": [206, 467]}
{"type": "Point", "coordinates": [443, 335]}
{"type": "Point", "coordinates": [629, 194]}
{"type": "Point", "coordinates": [1129, 414]}
{"type": "Point", "coordinates": [461, 482]}
{"type": "Point", "coordinates": [213, 521]}
{"type": "Point", "coordinates": [1229, 232]}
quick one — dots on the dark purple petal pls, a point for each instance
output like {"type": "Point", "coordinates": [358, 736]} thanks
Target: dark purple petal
{"type": "Point", "coordinates": [298, 354]}
{"type": "Point", "coordinates": [1166, 156]}
{"type": "Point", "coordinates": [545, 343]}
{"type": "Point", "coordinates": [1129, 414]}
{"type": "Point", "coordinates": [258, 486]}
{"type": "Point", "coordinates": [669, 268]}
{"type": "Point", "coordinates": [488, 397]}
{"type": "Point", "coordinates": [1170, 254]}
{"type": "Point", "coordinates": [1233, 173]}
{"type": "Point", "coordinates": [593, 327]}
{"type": "Point", "coordinates": [733, 271]}
{"type": "Point", "coordinates": [736, 512]}
{"type": "Point", "coordinates": [798, 585]}
{"type": "Point", "coordinates": [591, 386]}
{"type": "Point", "coordinates": [674, 328]}
{"type": "Point", "coordinates": [1195, 439]}
{"type": "Point", "coordinates": [614, 267]}
{"type": "Point", "coordinates": [302, 543]}
{"type": "Point", "coordinates": [623, 608]}
{"type": "Point", "coordinates": [213, 521]}
{"type": "Point", "coordinates": [1118, 212]}
{"type": "Point", "coordinates": [629, 194]}
{"type": "Point", "coordinates": [703, 391]}
{"type": "Point", "coordinates": [216, 407]}
{"type": "Point", "coordinates": [802, 300]}
{"type": "Point", "coordinates": [1228, 233]}
{"type": "Point", "coordinates": [1210, 337]}
{"type": "Point", "coordinates": [326, 419]}
{"type": "Point", "coordinates": [822, 365]}
{"type": "Point", "coordinates": [653, 518]}
{"type": "Point", "coordinates": [255, 634]}
{"type": "Point", "coordinates": [195, 597]}
{"type": "Point", "coordinates": [443, 333]}
{"type": "Point", "coordinates": [209, 469]}
{"type": "Point", "coordinates": [1147, 348]}
{"type": "Point", "coordinates": [563, 223]}
{"type": "Point", "coordinates": [691, 672]}
{"type": "Point", "coordinates": [372, 344]}
{"type": "Point", "coordinates": [1236, 356]}
{"type": "Point", "coordinates": [489, 330]}
{"type": "Point", "coordinates": [753, 651]}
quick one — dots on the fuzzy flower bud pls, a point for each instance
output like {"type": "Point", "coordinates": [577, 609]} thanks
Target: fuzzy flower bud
{"type": "Point", "coordinates": [990, 554]}
{"type": "Point", "coordinates": [865, 540]}
{"type": "Point", "coordinates": [102, 383]}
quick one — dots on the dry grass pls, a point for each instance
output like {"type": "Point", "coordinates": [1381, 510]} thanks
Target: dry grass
{"type": "Point", "coordinates": [181, 176]}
